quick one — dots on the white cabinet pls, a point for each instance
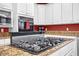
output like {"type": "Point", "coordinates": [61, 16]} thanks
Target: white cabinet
{"type": "Point", "coordinates": [43, 14]}
{"type": "Point", "coordinates": [68, 50]}
{"type": "Point", "coordinates": [21, 9]}
{"type": "Point", "coordinates": [14, 18]}
{"type": "Point", "coordinates": [57, 13]}
{"type": "Point", "coordinates": [53, 13]}
{"type": "Point", "coordinates": [36, 21]}
{"type": "Point", "coordinates": [49, 14]}
{"type": "Point", "coordinates": [66, 13]}
{"type": "Point", "coordinates": [26, 9]}
{"type": "Point", "coordinates": [40, 14]}
{"type": "Point", "coordinates": [5, 41]}
{"type": "Point", "coordinates": [2, 42]}
{"type": "Point", "coordinates": [6, 6]}
{"type": "Point", "coordinates": [30, 9]}
{"type": "Point", "coordinates": [75, 12]}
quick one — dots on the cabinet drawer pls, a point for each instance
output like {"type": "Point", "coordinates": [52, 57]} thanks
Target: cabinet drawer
{"type": "Point", "coordinates": [1, 42]}
{"type": "Point", "coordinates": [7, 42]}
{"type": "Point", "coordinates": [64, 50]}
{"type": "Point", "coordinates": [4, 41]}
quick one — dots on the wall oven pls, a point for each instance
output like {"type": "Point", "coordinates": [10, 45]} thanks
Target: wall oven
{"type": "Point", "coordinates": [25, 24]}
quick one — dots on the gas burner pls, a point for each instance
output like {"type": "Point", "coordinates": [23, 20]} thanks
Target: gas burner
{"type": "Point", "coordinates": [38, 45]}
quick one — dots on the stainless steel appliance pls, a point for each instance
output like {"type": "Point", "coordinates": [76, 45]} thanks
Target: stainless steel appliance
{"type": "Point", "coordinates": [25, 24]}
{"type": "Point", "coordinates": [36, 44]}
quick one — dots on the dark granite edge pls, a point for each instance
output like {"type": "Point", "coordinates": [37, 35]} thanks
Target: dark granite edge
{"type": "Point", "coordinates": [24, 33]}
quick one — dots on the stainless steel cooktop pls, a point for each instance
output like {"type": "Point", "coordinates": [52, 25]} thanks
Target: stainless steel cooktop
{"type": "Point", "coordinates": [36, 45]}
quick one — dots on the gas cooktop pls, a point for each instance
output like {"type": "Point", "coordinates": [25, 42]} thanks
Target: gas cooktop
{"type": "Point", "coordinates": [38, 45]}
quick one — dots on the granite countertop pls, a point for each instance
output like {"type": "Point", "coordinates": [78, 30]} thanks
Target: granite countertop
{"type": "Point", "coordinates": [63, 33]}
{"type": "Point", "coordinates": [13, 51]}
{"type": "Point", "coordinates": [4, 37]}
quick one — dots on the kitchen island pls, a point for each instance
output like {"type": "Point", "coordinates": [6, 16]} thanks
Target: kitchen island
{"type": "Point", "coordinates": [5, 38]}
{"type": "Point", "coordinates": [8, 50]}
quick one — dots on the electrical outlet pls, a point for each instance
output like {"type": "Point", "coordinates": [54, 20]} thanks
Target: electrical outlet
{"type": "Point", "coordinates": [67, 29]}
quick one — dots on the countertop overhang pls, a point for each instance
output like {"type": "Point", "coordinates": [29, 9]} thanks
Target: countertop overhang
{"type": "Point", "coordinates": [25, 33]}
{"type": "Point", "coordinates": [13, 51]}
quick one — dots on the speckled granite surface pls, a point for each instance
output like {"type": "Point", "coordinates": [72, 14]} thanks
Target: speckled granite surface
{"type": "Point", "coordinates": [63, 33]}
{"type": "Point", "coordinates": [13, 51]}
{"type": "Point", "coordinates": [4, 35]}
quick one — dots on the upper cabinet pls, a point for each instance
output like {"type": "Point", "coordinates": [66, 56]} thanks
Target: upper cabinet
{"type": "Point", "coordinates": [49, 14]}
{"type": "Point", "coordinates": [66, 13]}
{"type": "Point", "coordinates": [21, 9]}
{"type": "Point", "coordinates": [56, 13]}
{"type": "Point", "coordinates": [36, 21]}
{"type": "Point", "coordinates": [26, 9]}
{"type": "Point", "coordinates": [53, 13]}
{"type": "Point", "coordinates": [6, 6]}
{"type": "Point", "coordinates": [30, 9]}
{"type": "Point", "coordinates": [40, 14]}
{"type": "Point", "coordinates": [6, 15]}
{"type": "Point", "coordinates": [76, 12]}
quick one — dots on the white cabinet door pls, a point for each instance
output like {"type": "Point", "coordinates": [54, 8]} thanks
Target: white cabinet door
{"type": "Point", "coordinates": [73, 51]}
{"type": "Point", "coordinates": [57, 13]}
{"type": "Point", "coordinates": [75, 12]}
{"type": "Point", "coordinates": [67, 50]}
{"type": "Point", "coordinates": [30, 9]}
{"type": "Point", "coordinates": [2, 42]}
{"type": "Point", "coordinates": [21, 8]}
{"type": "Point", "coordinates": [6, 5]}
{"type": "Point", "coordinates": [36, 21]}
{"type": "Point", "coordinates": [7, 41]}
{"type": "Point", "coordinates": [49, 14]}
{"type": "Point", "coordinates": [41, 14]}
{"type": "Point", "coordinates": [66, 13]}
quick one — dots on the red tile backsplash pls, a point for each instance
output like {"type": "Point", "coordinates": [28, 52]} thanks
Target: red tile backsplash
{"type": "Point", "coordinates": [4, 29]}
{"type": "Point", "coordinates": [36, 27]}
{"type": "Point", "coordinates": [63, 27]}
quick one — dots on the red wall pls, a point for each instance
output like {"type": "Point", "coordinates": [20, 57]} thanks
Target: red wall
{"type": "Point", "coordinates": [36, 27]}
{"type": "Point", "coordinates": [71, 27]}
{"type": "Point", "coordinates": [4, 29]}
